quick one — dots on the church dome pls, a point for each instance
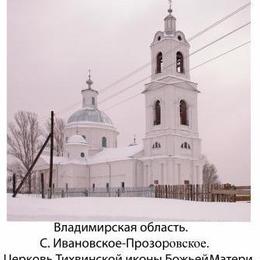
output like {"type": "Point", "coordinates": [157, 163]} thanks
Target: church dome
{"type": "Point", "coordinates": [89, 115]}
{"type": "Point", "coordinates": [77, 139]}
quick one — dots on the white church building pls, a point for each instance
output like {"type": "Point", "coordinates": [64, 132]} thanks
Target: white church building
{"type": "Point", "coordinates": [171, 150]}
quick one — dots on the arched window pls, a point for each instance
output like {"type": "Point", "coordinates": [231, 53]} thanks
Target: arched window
{"type": "Point", "coordinates": [185, 145]}
{"type": "Point", "coordinates": [104, 141]}
{"type": "Point", "coordinates": [93, 100]}
{"type": "Point", "coordinates": [179, 62]}
{"type": "Point", "coordinates": [183, 113]}
{"type": "Point", "coordinates": [157, 113]}
{"type": "Point", "coordinates": [159, 62]}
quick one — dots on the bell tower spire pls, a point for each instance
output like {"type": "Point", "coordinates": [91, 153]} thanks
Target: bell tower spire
{"type": "Point", "coordinates": [170, 21]}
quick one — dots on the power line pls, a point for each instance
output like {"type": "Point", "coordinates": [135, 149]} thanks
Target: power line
{"type": "Point", "coordinates": [219, 56]}
{"type": "Point", "coordinates": [193, 68]}
{"type": "Point", "coordinates": [219, 39]}
{"type": "Point", "coordinates": [124, 78]}
{"type": "Point", "coordinates": [200, 49]}
{"type": "Point", "coordinates": [147, 64]}
{"type": "Point", "coordinates": [220, 21]}
{"type": "Point", "coordinates": [189, 40]}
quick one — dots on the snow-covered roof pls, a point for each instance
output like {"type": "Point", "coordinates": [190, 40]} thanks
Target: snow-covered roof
{"type": "Point", "coordinates": [44, 161]}
{"type": "Point", "coordinates": [106, 155]}
{"type": "Point", "coordinates": [115, 154]}
{"type": "Point", "coordinates": [56, 159]}
{"type": "Point", "coordinates": [77, 139]}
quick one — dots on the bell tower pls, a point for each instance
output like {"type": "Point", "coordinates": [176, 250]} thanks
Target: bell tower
{"type": "Point", "coordinates": [170, 51]}
{"type": "Point", "coordinates": [172, 146]}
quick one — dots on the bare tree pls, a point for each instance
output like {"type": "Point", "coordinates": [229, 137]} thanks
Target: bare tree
{"type": "Point", "coordinates": [14, 168]}
{"type": "Point", "coordinates": [210, 174]}
{"type": "Point", "coordinates": [59, 125]}
{"type": "Point", "coordinates": [23, 139]}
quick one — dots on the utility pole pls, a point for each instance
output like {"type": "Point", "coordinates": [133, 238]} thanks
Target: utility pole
{"type": "Point", "coordinates": [51, 155]}
{"type": "Point", "coordinates": [14, 183]}
{"type": "Point", "coordinates": [29, 172]}
{"type": "Point", "coordinates": [42, 186]}
{"type": "Point", "coordinates": [31, 168]}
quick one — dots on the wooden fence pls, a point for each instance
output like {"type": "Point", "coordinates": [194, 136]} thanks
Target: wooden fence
{"type": "Point", "coordinates": [213, 193]}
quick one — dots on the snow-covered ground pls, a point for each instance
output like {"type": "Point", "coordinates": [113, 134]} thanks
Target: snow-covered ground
{"type": "Point", "coordinates": [124, 209]}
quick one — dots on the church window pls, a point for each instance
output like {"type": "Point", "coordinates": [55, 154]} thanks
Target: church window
{"type": "Point", "coordinates": [123, 185]}
{"type": "Point", "coordinates": [156, 145]}
{"type": "Point", "coordinates": [183, 113]}
{"type": "Point", "coordinates": [159, 62]}
{"type": "Point", "coordinates": [107, 186]}
{"type": "Point", "coordinates": [93, 186]}
{"type": "Point", "coordinates": [93, 101]}
{"type": "Point", "coordinates": [185, 145]}
{"type": "Point", "coordinates": [159, 38]}
{"type": "Point", "coordinates": [179, 38]}
{"type": "Point", "coordinates": [179, 62]}
{"type": "Point", "coordinates": [104, 141]}
{"type": "Point", "coordinates": [82, 155]}
{"type": "Point", "coordinates": [157, 111]}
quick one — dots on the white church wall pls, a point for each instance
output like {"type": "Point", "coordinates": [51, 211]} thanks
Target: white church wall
{"type": "Point", "coordinates": [76, 151]}
{"type": "Point", "coordinates": [172, 171]}
{"type": "Point", "coordinates": [114, 173]}
{"type": "Point", "coordinates": [74, 175]}
{"type": "Point", "coordinates": [187, 147]}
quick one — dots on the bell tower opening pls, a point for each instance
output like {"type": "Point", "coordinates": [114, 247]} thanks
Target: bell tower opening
{"type": "Point", "coordinates": [179, 62]}
{"type": "Point", "coordinates": [159, 62]}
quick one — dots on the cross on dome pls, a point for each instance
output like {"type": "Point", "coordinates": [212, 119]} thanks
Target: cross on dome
{"type": "Point", "coordinates": [170, 7]}
{"type": "Point", "coordinates": [89, 81]}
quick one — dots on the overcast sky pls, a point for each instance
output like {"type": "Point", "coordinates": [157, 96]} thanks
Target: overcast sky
{"type": "Point", "coordinates": [53, 43]}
